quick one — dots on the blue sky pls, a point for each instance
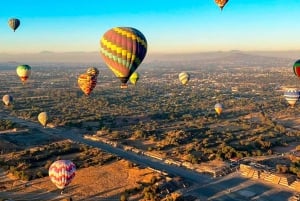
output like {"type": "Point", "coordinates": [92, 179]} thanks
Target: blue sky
{"type": "Point", "coordinates": [169, 26]}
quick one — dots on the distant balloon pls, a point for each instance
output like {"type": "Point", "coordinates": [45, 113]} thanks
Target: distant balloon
{"type": "Point", "coordinates": [291, 96]}
{"type": "Point", "coordinates": [14, 23]}
{"type": "Point", "coordinates": [87, 83]}
{"type": "Point", "coordinates": [296, 68]}
{"type": "Point", "coordinates": [184, 77]}
{"type": "Point", "coordinates": [123, 50]}
{"type": "Point", "coordinates": [43, 118]}
{"type": "Point", "coordinates": [62, 172]}
{"type": "Point", "coordinates": [134, 78]}
{"type": "Point", "coordinates": [218, 108]}
{"type": "Point", "coordinates": [221, 3]}
{"type": "Point", "coordinates": [23, 71]}
{"type": "Point", "coordinates": [7, 99]}
{"type": "Point", "coordinates": [92, 71]}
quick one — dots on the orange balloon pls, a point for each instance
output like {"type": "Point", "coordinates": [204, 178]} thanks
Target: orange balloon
{"type": "Point", "coordinates": [87, 83]}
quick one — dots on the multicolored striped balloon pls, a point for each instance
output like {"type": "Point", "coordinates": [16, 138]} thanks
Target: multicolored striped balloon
{"type": "Point", "coordinates": [14, 23]}
{"type": "Point", "coordinates": [61, 173]}
{"type": "Point", "coordinates": [134, 78]}
{"type": "Point", "coordinates": [221, 3]}
{"type": "Point", "coordinates": [296, 68]}
{"type": "Point", "coordinates": [87, 83]}
{"type": "Point", "coordinates": [123, 50]}
{"type": "Point", "coordinates": [23, 71]}
{"type": "Point", "coordinates": [7, 99]}
{"type": "Point", "coordinates": [291, 96]}
{"type": "Point", "coordinates": [184, 77]}
{"type": "Point", "coordinates": [218, 108]}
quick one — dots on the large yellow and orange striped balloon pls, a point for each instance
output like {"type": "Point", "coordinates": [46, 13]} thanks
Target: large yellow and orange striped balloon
{"type": "Point", "coordinates": [61, 173]}
{"type": "Point", "coordinates": [87, 83]}
{"type": "Point", "coordinates": [221, 3]}
{"type": "Point", "coordinates": [123, 50]}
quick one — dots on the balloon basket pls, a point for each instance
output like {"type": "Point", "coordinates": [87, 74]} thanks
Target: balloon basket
{"type": "Point", "coordinates": [124, 86]}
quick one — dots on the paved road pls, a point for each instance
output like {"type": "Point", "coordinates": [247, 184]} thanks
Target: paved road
{"type": "Point", "coordinates": [136, 158]}
{"type": "Point", "coordinates": [207, 188]}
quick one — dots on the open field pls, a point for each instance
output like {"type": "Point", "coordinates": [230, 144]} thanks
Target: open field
{"type": "Point", "coordinates": [93, 183]}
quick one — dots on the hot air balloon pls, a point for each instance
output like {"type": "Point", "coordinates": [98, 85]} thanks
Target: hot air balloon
{"type": "Point", "coordinates": [7, 99]}
{"type": "Point", "coordinates": [296, 68]}
{"type": "Point", "coordinates": [14, 23]}
{"type": "Point", "coordinates": [184, 78]}
{"type": "Point", "coordinates": [221, 3]}
{"type": "Point", "coordinates": [92, 71]}
{"type": "Point", "coordinates": [87, 83]}
{"type": "Point", "coordinates": [23, 71]}
{"type": "Point", "coordinates": [134, 78]}
{"type": "Point", "coordinates": [62, 172]}
{"type": "Point", "coordinates": [291, 96]}
{"type": "Point", "coordinates": [218, 108]}
{"type": "Point", "coordinates": [123, 50]}
{"type": "Point", "coordinates": [43, 118]}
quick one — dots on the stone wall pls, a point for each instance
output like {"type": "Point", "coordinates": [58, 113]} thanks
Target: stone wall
{"type": "Point", "coordinates": [285, 180]}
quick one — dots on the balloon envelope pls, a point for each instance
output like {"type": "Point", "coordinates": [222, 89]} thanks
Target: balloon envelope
{"type": "Point", "coordinates": [7, 99]}
{"type": "Point", "coordinates": [14, 23]}
{"type": "Point", "coordinates": [296, 68]}
{"type": "Point", "coordinates": [291, 96]}
{"type": "Point", "coordinates": [218, 108]}
{"type": "Point", "coordinates": [87, 83]}
{"type": "Point", "coordinates": [221, 3]}
{"type": "Point", "coordinates": [134, 78]}
{"type": "Point", "coordinates": [123, 50]}
{"type": "Point", "coordinates": [61, 173]}
{"type": "Point", "coordinates": [23, 71]}
{"type": "Point", "coordinates": [92, 71]}
{"type": "Point", "coordinates": [184, 77]}
{"type": "Point", "coordinates": [43, 118]}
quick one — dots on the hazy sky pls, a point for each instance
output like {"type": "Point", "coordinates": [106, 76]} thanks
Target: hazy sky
{"type": "Point", "coordinates": [169, 26]}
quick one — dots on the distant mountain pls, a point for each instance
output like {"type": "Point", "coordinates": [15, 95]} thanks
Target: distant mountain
{"type": "Point", "coordinates": [223, 57]}
{"type": "Point", "coordinates": [232, 58]}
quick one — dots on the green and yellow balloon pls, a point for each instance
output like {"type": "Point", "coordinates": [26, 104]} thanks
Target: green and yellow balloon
{"type": "Point", "coordinates": [134, 78]}
{"type": "Point", "coordinates": [123, 50]}
{"type": "Point", "coordinates": [23, 71]}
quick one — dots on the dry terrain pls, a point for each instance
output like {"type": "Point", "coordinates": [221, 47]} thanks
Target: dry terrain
{"type": "Point", "coordinates": [106, 182]}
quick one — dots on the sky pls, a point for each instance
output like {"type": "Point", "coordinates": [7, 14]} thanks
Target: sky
{"type": "Point", "coordinates": [169, 26]}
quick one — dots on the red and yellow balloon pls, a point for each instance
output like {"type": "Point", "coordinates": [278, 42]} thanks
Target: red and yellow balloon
{"type": "Point", "coordinates": [87, 83]}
